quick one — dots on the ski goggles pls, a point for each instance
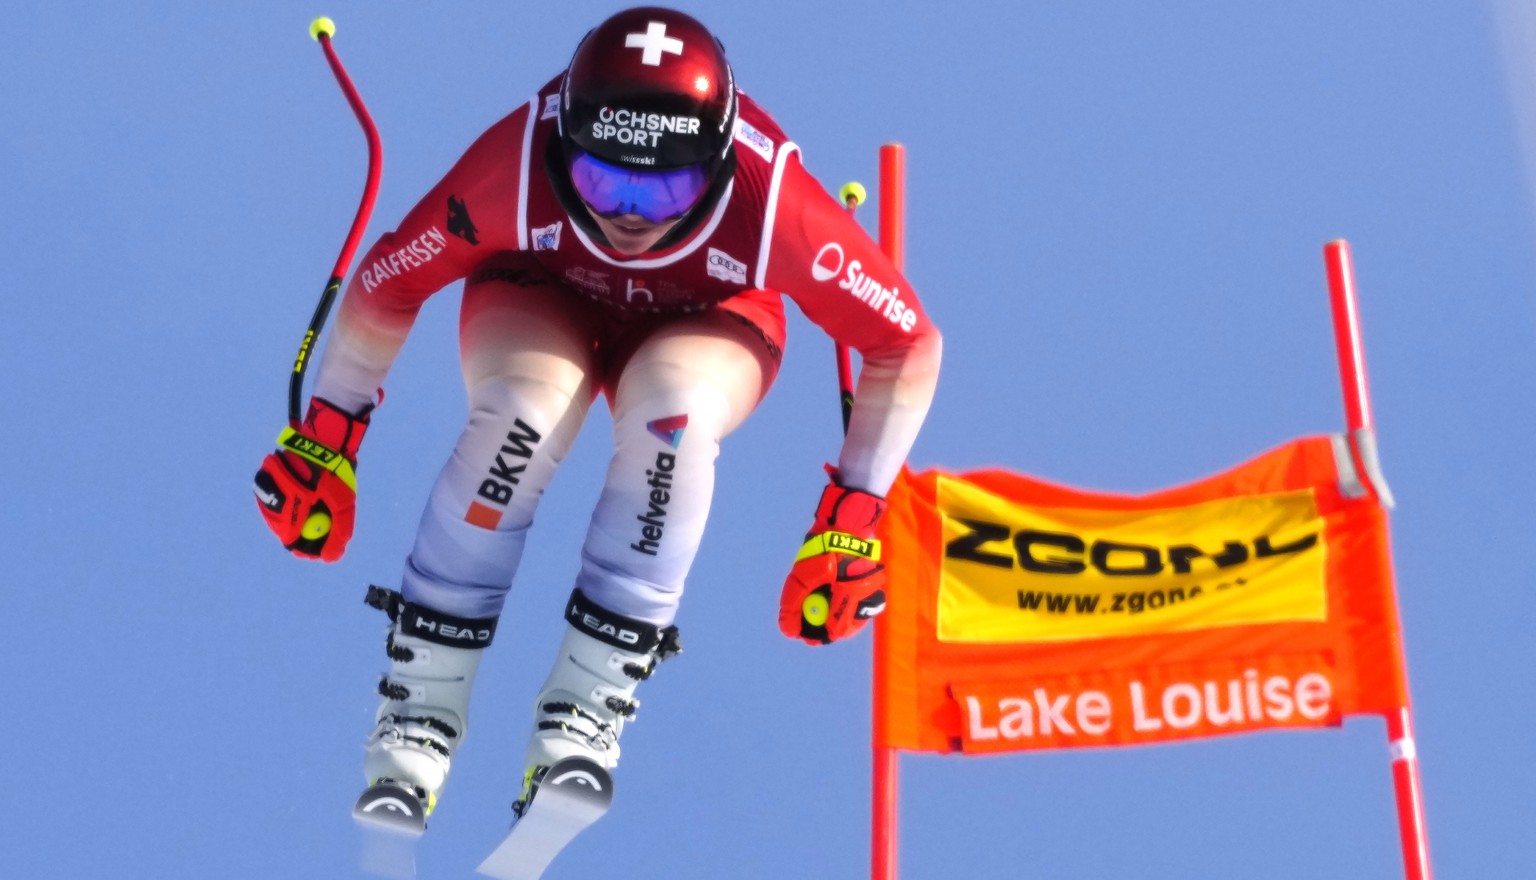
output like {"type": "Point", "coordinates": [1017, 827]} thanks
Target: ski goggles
{"type": "Point", "coordinates": [658, 196]}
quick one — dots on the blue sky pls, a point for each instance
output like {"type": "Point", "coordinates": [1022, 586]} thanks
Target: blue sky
{"type": "Point", "coordinates": [1117, 211]}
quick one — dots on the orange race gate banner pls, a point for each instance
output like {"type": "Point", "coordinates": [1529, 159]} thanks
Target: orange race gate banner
{"type": "Point", "coordinates": [1025, 615]}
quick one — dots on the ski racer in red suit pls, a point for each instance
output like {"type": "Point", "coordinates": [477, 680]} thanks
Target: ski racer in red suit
{"type": "Point", "coordinates": [629, 231]}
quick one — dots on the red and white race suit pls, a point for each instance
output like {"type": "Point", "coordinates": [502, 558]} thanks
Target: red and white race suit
{"type": "Point", "coordinates": [496, 220]}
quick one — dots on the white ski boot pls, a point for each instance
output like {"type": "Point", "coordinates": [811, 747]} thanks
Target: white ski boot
{"type": "Point", "coordinates": [589, 694]}
{"type": "Point", "coordinates": [424, 714]}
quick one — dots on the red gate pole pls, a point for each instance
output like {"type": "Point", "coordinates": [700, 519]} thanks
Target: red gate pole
{"type": "Point", "coordinates": [882, 860]}
{"type": "Point", "coordinates": [1362, 444]}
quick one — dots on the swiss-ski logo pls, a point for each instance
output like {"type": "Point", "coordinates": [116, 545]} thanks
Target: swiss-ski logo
{"type": "Point", "coordinates": [547, 238]}
{"type": "Point", "coordinates": [760, 143]}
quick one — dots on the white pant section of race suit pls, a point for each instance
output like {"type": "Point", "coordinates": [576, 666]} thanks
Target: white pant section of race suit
{"type": "Point", "coordinates": [640, 544]}
{"type": "Point", "coordinates": [644, 531]}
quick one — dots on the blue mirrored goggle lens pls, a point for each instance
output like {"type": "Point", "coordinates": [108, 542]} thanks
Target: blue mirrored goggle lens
{"type": "Point", "coordinates": [658, 196]}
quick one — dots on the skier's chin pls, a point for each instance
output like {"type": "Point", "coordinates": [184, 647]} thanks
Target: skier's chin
{"type": "Point", "coordinates": [631, 234]}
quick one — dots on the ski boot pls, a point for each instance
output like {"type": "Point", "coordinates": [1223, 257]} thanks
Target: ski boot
{"type": "Point", "coordinates": [577, 721]}
{"type": "Point", "coordinates": [424, 714]}
{"type": "Point", "coordinates": [589, 694]}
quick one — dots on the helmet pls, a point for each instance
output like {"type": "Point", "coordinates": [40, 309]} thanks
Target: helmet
{"type": "Point", "coordinates": [649, 90]}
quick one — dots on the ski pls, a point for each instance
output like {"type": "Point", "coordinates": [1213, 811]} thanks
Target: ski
{"type": "Point", "coordinates": [386, 806]}
{"type": "Point", "coordinates": [392, 819]}
{"type": "Point", "coordinates": [574, 793]}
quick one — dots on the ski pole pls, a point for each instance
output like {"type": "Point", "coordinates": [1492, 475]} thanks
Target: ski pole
{"type": "Point", "coordinates": [852, 194]}
{"type": "Point", "coordinates": [321, 29]}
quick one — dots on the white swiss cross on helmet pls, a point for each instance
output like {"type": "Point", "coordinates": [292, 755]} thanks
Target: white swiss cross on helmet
{"type": "Point", "coordinates": [659, 74]}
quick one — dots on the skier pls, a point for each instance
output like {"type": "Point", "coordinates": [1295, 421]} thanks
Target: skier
{"type": "Point", "coordinates": [627, 232]}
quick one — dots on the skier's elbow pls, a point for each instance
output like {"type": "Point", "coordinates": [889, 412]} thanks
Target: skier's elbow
{"type": "Point", "coordinates": [917, 354]}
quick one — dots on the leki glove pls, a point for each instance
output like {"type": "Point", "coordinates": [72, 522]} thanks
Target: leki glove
{"type": "Point", "coordinates": [838, 582]}
{"type": "Point", "coordinates": [307, 489]}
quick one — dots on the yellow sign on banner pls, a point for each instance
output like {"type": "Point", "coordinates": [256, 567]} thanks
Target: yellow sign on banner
{"type": "Point", "coordinates": [1011, 573]}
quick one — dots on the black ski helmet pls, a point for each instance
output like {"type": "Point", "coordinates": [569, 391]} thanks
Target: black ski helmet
{"type": "Point", "coordinates": [649, 89]}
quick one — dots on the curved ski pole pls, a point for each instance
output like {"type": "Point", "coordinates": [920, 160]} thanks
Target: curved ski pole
{"type": "Point", "coordinates": [813, 612]}
{"type": "Point", "coordinates": [321, 30]}
{"type": "Point", "coordinates": [851, 194]}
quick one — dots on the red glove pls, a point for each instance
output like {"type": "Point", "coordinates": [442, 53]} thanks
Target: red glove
{"type": "Point", "coordinates": [307, 490]}
{"type": "Point", "coordinates": [837, 583]}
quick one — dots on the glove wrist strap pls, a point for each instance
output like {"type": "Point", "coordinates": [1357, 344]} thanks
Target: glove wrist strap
{"type": "Point", "coordinates": [839, 542]}
{"type": "Point", "coordinates": [318, 454]}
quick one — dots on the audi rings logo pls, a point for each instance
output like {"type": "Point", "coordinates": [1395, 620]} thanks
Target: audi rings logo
{"type": "Point", "coordinates": [828, 262]}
